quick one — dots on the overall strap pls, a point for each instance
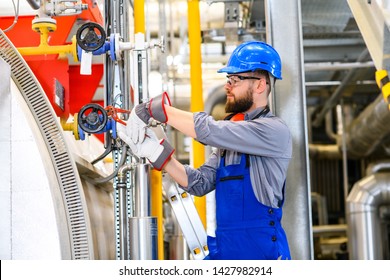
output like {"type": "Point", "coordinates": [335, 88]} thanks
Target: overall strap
{"type": "Point", "coordinates": [244, 159]}
{"type": "Point", "coordinates": [281, 202]}
{"type": "Point", "coordinates": [263, 112]}
{"type": "Point", "coordinates": [229, 117]}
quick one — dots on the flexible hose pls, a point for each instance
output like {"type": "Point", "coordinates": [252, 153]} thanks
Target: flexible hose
{"type": "Point", "coordinates": [115, 173]}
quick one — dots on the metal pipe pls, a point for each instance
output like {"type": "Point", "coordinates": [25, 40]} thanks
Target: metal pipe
{"type": "Point", "coordinates": [142, 190]}
{"type": "Point", "coordinates": [337, 83]}
{"type": "Point", "coordinates": [143, 229]}
{"type": "Point", "coordinates": [143, 240]}
{"type": "Point", "coordinates": [342, 134]}
{"type": "Point", "coordinates": [318, 151]}
{"type": "Point", "coordinates": [329, 126]}
{"type": "Point", "coordinates": [364, 234]}
{"type": "Point", "coordinates": [122, 210]}
{"type": "Point", "coordinates": [322, 210]}
{"type": "Point", "coordinates": [329, 230]}
{"type": "Point", "coordinates": [377, 167]}
{"type": "Point", "coordinates": [334, 98]}
{"type": "Point", "coordinates": [337, 66]}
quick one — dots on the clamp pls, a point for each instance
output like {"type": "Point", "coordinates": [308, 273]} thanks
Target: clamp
{"type": "Point", "coordinates": [113, 113]}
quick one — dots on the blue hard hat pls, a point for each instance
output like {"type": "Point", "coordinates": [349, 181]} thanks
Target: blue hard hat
{"type": "Point", "coordinates": [254, 55]}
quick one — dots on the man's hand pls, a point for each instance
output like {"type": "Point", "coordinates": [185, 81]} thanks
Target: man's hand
{"type": "Point", "coordinates": [158, 152]}
{"type": "Point", "coordinates": [142, 113]}
{"type": "Point", "coordinates": [154, 108]}
{"type": "Point", "coordinates": [135, 128]}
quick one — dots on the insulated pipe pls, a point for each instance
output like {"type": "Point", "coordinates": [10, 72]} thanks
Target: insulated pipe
{"type": "Point", "coordinates": [194, 36]}
{"type": "Point", "coordinates": [44, 47]}
{"type": "Point", "coordinates": [364, 232]}
{"type": "Point", "coordinates": [369, 129]}
{"type": "Point", "coordinates": [377, 166]}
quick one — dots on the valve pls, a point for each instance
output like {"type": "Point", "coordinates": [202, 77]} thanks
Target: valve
{"type": "Point", "coordinates": [92, 118]}
{"type": "Point", "coordinates": [60, 7]}
{"type": "Point", "coordinates": [90, 36]}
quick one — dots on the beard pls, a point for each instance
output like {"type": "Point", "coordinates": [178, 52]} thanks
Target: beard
{"type": "Point", "coordinates": [239, 105]}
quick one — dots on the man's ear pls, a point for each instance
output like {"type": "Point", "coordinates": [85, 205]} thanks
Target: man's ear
{"type": "Point", "coordinates": [261, 85]}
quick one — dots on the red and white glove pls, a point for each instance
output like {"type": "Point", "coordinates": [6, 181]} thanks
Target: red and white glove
{"type": "Point", "coordinates": [158, 152]}
{"type": "Point", "coordinates": [142, 113]}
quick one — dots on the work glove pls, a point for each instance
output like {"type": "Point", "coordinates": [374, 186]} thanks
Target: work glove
{"type": "Point", "coordinates": [142, 113]}
{"type": "Point", "coordinates": [158, 152]}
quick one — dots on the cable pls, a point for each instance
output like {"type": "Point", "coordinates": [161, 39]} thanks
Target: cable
{"type": "Point", "coordinates": [115, 173]}
{"type": "Point", "coordinates": [16, 10]}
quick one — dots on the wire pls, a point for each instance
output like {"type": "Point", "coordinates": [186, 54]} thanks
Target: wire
{"type": "Point", "coordinates": [16, 10]}
{"type": "Point", "coordinates": [122, 161]}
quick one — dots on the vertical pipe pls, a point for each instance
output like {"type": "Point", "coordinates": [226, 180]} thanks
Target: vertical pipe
{"type": "Point", "coordinates": [139, 16]}
{"type": "Point", "coordinates": [194, 35]}
{"type": "Point", "coordinates": [142, 190]}
{"type": "Point", "coordinates": [157, 208]}
{"type": "Point", "coordinates": [123, 234]}
{"type": "Point", "coordinates": [124, 63]}
{"type": "Point", "coordinates": [341, 132]}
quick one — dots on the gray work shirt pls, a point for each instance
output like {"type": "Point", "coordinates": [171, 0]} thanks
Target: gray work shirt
{"type": "Point", "coordinates": [266, 139]}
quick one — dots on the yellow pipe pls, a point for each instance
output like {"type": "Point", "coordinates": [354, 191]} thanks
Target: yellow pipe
{"type": "Point", "coordinates": [139, 16]}
{"type": "Point", "coordinates": [197, 105]}
{"type": "Point", "coordinates": [157, 208]}
{"type": "Point", "coordinates": [44, 48]}
{"type": "Point", "coordinates": [72, 126]}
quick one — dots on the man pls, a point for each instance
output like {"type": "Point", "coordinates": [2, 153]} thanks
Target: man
{"type": "Point", "coordinates": [248, 169]}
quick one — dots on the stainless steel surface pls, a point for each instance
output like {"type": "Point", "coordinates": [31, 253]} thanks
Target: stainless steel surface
{"type": "Point", "coordinates": [123, 224]}
{"type": "Point", "coordinates": [142, 190]}
{"type": "Point", "coordinates": [143, 238]}
{"type": "Point", "coordinates": [365, 241]}
{"type": "Point", "coordinates": [284, 24]}
{"type": "Point", "coordinates": [375, 167]}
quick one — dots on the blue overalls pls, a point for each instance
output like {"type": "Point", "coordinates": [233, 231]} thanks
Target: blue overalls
{"type": "Point", "coordinates": [246, 229]}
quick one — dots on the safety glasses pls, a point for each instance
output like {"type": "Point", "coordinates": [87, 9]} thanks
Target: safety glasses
{"type": "Point", "coordinates": [234, 79]}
